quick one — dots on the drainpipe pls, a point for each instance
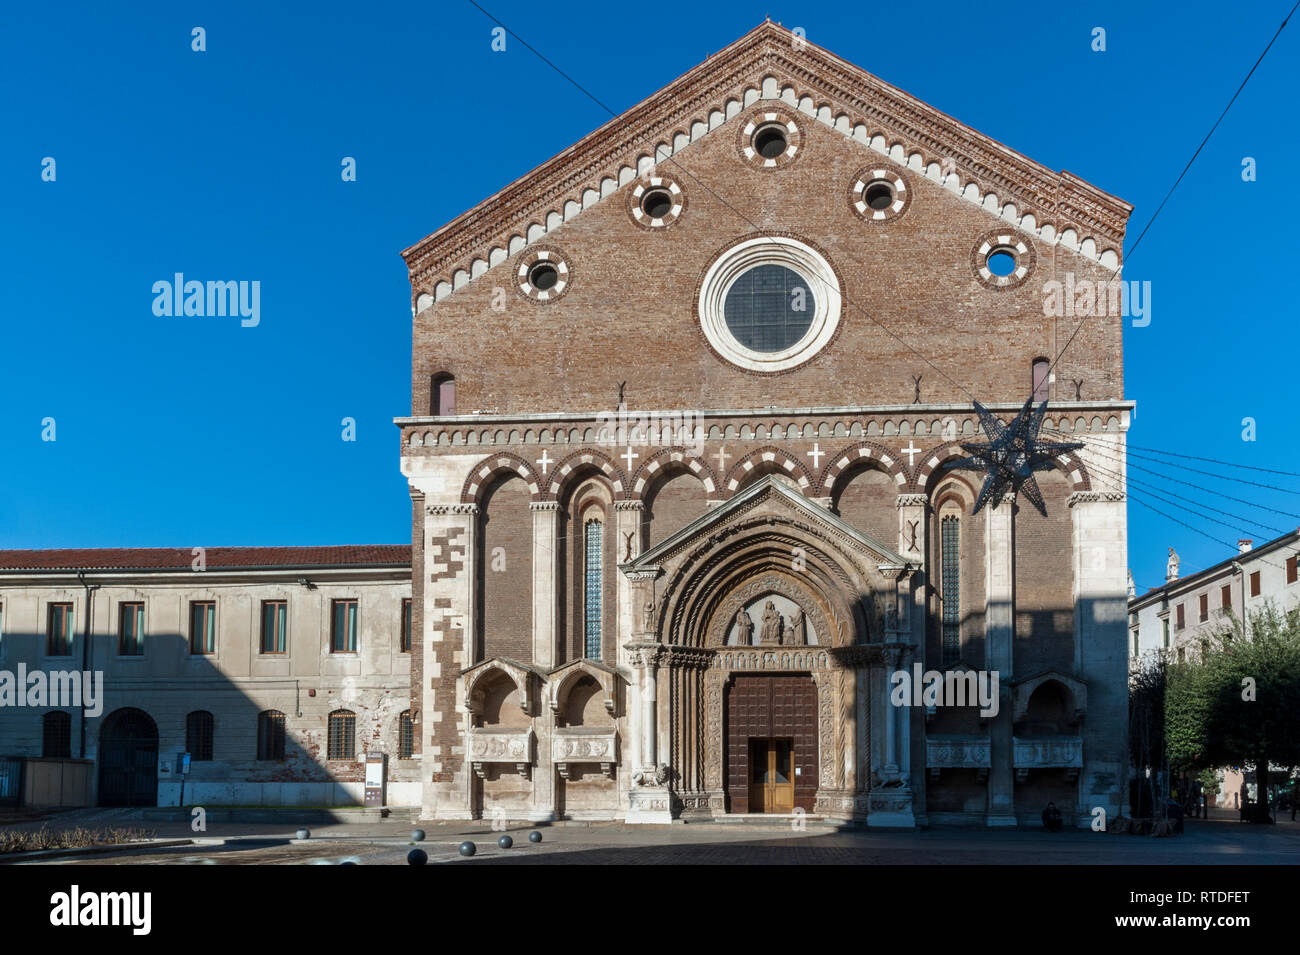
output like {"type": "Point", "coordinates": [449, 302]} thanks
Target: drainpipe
{"type": "Point", "coordinates": [85, 651]}
{"type": "Point", "coordinates": [1241, 571]}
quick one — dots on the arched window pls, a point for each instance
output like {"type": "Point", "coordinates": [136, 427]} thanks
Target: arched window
{"type": "Point", "coordinates": [405, 735]}
{"type": "Point", "coordinates": [270, 734]}
{"type": "Point", "coordinates": [1040, 379]}
{"type": "Point", "coordinates": [950, 579]}
{"type": "Point", "coordinates": [56, 735]}
{"type": "Point", "coordinates": [442, 395]}
{"type": "Point", "coordinates": [342, 742]}
{"type": "Point", "coordinates": [198, 735]}
{"type": "Point", "coordinates": [593, 554]}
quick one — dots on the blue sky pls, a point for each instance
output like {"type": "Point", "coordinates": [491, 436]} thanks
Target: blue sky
{"type": "Point", "coordinates": [226, 165]}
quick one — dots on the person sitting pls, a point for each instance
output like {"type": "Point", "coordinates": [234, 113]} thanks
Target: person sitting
{"type": "Point", "coordinates": [1052, 819]}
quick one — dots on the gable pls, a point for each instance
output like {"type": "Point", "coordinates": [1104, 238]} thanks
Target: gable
{"type": "Point", "coordinates": [768, 487]}
{"type": "Point", "coordinates": [770, 64]}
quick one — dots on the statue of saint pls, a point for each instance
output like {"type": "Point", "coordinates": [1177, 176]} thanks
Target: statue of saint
{"type": "Point", "coordinates": [1171, 568]}
{"type": "Point", "coordinates": [797, 636]}
{"type": "Point", "coordinates": [648, 616]}
{"type": "Point", "coordinates": [771, 632]}
{"type": "Point", "coordinates": [744, 628]}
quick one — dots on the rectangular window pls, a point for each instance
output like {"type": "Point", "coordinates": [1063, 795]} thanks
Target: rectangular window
{"type": "Point", "coordinates": [594, 540]}
{"type": "Point", "coordinates": [405, 735]}
{"type": "Point", "coordinates": [203, 626]}
{"type": "Point", "coordinates": [1165, 628]}
{"type": "Point", "coordinates": [275, 625]}
{"type": "Point", "coordinates": [406, 626]}
{"type": "Point", "coordinates": [950, 560]}
{"type": "Point", "coordinates": [1135, 643]}
{"type": "Point", "coordinates": [341, 741]}
{"type": "Point", "coordinates": [58, 631]}
{"type": "Point", "coordinates": [1254, 584]}
{"type": "Point", "coordinates": [1225, 596]}
{"type": "Point", "coordinates": [1205, 606]}
{"type": "Point", "coordinates": [1182, 621]}
{"type": "Point", "coordinates": [270, 735]}
{"type": "Point", "coordinates": [1291, 572]}
{"type": "Point", "coordinates": [130, 630]}
{"type": "Point", "coordinates": [343, 627]}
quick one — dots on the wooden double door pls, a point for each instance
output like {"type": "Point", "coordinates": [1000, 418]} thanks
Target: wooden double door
{"type": "Point", "coordinates": [771, 775]}
{"type": "Point", "coordinates": [771, 737]}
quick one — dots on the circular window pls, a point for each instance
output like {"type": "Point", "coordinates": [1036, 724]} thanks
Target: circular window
{"type": "Point", "coordinates": [543, 275]}
{"type": "Point", "coordinates": [656, 202]}
{"type": "Point", "coordinates": [770, 141]}
{"type": "Point", "coordinates": [1002, 260]}
{"type": "Point", "coordinates": [769, 304]}
{"type": "Point", "coordinates": [770, 138]}
{"type": "Point", "coordinates": [768, 308]}
{"type": "Point", "coordinates": [879, 194]}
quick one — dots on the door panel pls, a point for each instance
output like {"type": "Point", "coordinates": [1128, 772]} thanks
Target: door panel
{"type": "Point", "coordinates": [771, 708]}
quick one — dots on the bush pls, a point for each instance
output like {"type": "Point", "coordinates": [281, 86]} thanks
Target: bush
{"type": "Point", "coordinates": [13, 840]}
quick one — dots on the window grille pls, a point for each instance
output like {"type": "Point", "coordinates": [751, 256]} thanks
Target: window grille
{"type": "Point", "coordinates": [950, 539]}
{"type": "Point", "coordinates": [594, 539]}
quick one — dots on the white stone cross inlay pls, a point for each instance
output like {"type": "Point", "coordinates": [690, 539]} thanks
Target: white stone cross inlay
{"type": "Point", "coordinates": [911, 451]}
{"type": "Point", "coordinates": [544, 460]}
{"type": "Point", "coordinates": [629, 457]}
{"type": "Point", "coordinates": [816, 454]}
{"type": "Point", "coordinates": [722, 456]}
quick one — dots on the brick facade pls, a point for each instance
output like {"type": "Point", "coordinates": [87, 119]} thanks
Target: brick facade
{"type": "Point", "coordinates": [815, 484]}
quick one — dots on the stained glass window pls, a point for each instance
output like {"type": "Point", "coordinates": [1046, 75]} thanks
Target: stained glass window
{"type": "Point", "coordinates": [950, 537]}
{"type": "Point", "coordinates": [769, 308]}
{"type": "Point", "coordinates": [593, 540]}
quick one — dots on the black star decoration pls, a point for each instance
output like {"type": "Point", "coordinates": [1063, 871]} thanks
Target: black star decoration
{"type": "Point", "coordinates": [1011, 455]}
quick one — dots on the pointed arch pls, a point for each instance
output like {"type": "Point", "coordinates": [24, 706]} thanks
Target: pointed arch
{"type": "Point", "coordinates": [663, 461]}
{"type": "Point", "coordinates": [875, 455]}
{"type": "Point", "coordinates": [767, 460]}
{"type": "Point", "coordinates": [575, 465]}
{"type": "Point", "coordinates": [487, 469]}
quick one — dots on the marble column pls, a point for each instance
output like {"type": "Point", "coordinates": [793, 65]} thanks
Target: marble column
{"type": "Point", "coordinates": [999, 616]}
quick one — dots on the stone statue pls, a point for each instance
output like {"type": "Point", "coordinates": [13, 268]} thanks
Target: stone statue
{"type": "Point", "coordinates": [797, 636]}
{"type": "Point", "coordinates": [744, 628]}
{"type": "Point", "coordinates": [771, 632]}
{"type": "Point", "coordinates": [648, 616]}
{"type": "Point", "coordinates": [1132, 587]}
{"type": "Point", "coordinates": [1171, 568]}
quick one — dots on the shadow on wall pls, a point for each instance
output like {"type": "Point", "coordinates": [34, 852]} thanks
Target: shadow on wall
{"type": "Point", "coordinates": [272, 748]}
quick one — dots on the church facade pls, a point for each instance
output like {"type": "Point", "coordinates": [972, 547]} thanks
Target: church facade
{"type": "Point", "coordinates": [685, 534]}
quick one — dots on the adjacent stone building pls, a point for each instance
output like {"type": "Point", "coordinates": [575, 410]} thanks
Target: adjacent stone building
{"type": "Point", "coordinates": [276, 668]}
{"type": "Point", "coordinates": [1181, 616]}
{"type": "Point", "coordinates": [683, 399]}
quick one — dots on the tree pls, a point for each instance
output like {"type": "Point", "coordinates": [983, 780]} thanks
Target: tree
{"type": "Point", "coordinates": [1239, 704]}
